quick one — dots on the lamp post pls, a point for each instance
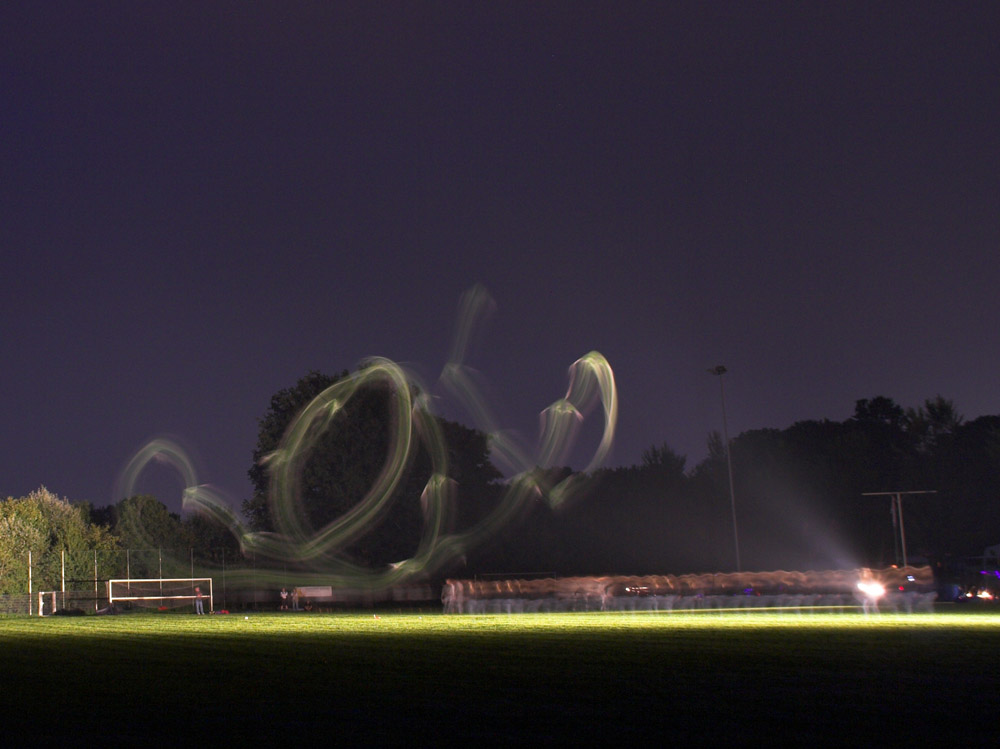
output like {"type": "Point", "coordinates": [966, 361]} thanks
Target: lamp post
{"type": "Point", "coordinates": [718, 371]}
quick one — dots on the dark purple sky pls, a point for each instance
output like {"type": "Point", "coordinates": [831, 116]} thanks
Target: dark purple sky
{"type": "Point", "coordinates": [203, 201]}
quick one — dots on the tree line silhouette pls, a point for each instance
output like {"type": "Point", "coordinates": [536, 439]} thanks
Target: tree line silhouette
{"type": "Point", "coordinates": [799, 498]}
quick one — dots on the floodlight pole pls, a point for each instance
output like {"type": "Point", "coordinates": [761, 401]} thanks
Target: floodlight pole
{"type": "Point", "coordinates": [896, 508]}
{"type": "Point", "coordinates": [718, 371]}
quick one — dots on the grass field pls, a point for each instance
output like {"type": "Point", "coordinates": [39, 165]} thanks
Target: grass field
{"type": "Point", "coordinates": [423, 679]}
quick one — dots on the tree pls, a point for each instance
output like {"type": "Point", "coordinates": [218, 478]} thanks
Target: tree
{"type": "Point", "coordinates": [934, 423]}
{"type": "Point", "coordinates": [143, 522]}
{"type": "Point", "coordinates": [346, 461]}
{"type": "Point", "coordinates": [212, 542]}
{"type": "Point", "coordinates": [46, 525]}
{"type": "Point", "coordinates": [285, 404]}
{"type": "Point", "coordinates": [879, 410]}
{"type": "Point", "coordinates": [663, 458]}
{"type": "Point", "coordinates": [159, 543]}
{"type": "Point", "coordinates": [22, 529]}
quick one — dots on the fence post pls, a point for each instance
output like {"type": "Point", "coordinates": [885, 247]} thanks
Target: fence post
{"type": "Point", "coordinates": [29, 582]}
{"type": "Point", "coordinates": [225, 604]}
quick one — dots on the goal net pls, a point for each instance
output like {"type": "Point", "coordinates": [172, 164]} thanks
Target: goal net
{"type": "Point", "coordinates": [161, 593]}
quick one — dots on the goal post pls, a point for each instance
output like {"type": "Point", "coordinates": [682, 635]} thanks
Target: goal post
{"type": "Point", "coordinates": [47, 598]}
{"type": "Point", "coordinates": [161, 592]}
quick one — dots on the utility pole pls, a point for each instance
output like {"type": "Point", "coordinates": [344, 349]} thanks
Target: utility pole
{"type": "Point", "coordinates": [718, 371]}
{"type": "Point", "coordinates": [896, 508]}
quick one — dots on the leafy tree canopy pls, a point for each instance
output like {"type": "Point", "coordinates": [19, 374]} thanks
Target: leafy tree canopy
{"type": "Point", "coordinates": [664, 458]}
{"type": "Point", "coordinates": [879, 410]}
{"type": "Point", "coordinates": [45, 525]}
{"type": "Point", "coordinates": [143, 522]}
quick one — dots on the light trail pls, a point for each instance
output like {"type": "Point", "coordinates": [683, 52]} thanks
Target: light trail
{"type": "Point", "coordinates": [319, 553]}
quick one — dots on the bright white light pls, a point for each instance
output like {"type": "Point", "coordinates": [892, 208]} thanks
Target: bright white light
{"type": "Point", "coordinates": [871, 588]}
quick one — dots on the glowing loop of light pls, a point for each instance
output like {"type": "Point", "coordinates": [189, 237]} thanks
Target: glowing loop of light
{"type": "Point", "coordinates": [591, 380]}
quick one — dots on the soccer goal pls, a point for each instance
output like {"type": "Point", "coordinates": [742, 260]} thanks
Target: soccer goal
{"type": "Point", "coordinates": [161, 592]}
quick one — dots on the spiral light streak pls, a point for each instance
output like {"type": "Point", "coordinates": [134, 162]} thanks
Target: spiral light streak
{"type": "Point", "coordinates": [319, 553]}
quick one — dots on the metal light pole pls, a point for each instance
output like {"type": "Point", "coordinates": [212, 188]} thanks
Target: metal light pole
{"type": "Point", "coordinates": [718, 371]}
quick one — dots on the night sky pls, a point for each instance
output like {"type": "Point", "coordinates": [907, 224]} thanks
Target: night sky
{"type": "Point", "coordinates": [201, 202]}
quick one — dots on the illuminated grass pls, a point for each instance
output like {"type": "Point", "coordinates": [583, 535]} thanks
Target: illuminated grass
{"type": "Point", "coordinates": [420, 678]}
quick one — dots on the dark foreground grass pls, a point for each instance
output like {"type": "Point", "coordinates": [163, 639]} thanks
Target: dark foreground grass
{"type": "Point", "coordinates": [755, 679]}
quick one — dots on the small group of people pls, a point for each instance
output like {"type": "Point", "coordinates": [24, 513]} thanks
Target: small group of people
{"type": "Point", "coordinates": [295, 595]}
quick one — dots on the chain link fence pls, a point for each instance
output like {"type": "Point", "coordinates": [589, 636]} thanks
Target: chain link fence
{"type": "Point", "coordinates": [80, 577]}
{"type": "Point", "coordinates": [65, 582]}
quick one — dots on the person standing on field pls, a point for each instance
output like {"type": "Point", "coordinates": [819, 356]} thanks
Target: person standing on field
{"type": "Point", "coordinates": [199, 607]}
